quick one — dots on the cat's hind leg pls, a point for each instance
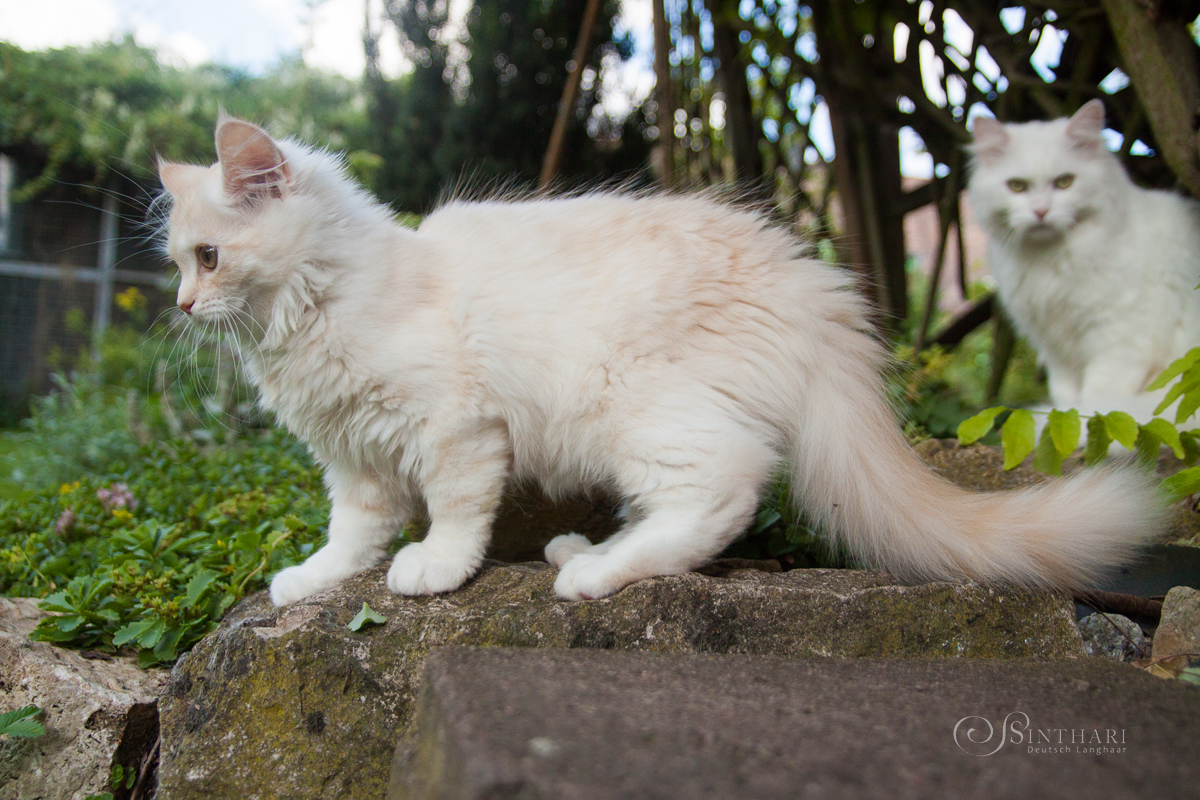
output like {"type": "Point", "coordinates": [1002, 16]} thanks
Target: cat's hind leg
{"type": "Point", "coordinates": [562, 549]}
{"type": "Point", "coordinates": [462, 481]}
{"type": "Point", "coordinates": [364, 519]}
{"type": "Point", "coordinates": [690, 509]}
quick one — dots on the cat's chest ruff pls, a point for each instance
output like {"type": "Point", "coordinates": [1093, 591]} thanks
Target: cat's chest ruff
{"type": "Point", "coordinates": [326, 396]}
{"type": "Point", "coordinates": [1042, 292]}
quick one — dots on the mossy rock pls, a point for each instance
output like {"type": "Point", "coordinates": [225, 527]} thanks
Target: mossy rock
{"type": "Point", "coordinates": [291, 703]}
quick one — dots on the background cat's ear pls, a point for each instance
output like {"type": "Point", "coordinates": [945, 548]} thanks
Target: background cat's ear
{"type": "Point", "coordinates": [1086, 124]}
{"type": "Point", "coordinates": [251, 162]}
{"type": "Point", "coordinates": [178, 179]}
{"type": "Point", "coordinates": [989, 139]}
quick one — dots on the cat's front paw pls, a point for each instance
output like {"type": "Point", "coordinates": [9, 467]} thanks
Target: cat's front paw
{"type": "Point", "coordinates": [418, 570]}
{"type": "Point", "coordinates": [562, 549]}
{"type": "Point", "coordinates": [588, 576]}
{"type": "Point", "coordinates": [295, 583]}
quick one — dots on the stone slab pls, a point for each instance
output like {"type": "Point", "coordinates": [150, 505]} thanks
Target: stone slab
{"type": "Point", "coordinates": [288, 702]}
{"type": "Point", "coordinates": [99, 712]}
{"type": "Point", "coordinates": [508, 723]}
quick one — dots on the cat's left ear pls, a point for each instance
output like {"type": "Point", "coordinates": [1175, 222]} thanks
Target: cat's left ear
{"type": "Point", "coordinates": [1085, 126]}
{"type": "Point", "coordinates": [252, 164]}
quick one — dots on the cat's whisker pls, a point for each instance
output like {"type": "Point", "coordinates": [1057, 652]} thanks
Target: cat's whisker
{"type": "Point", "coordinates": [157, 334]}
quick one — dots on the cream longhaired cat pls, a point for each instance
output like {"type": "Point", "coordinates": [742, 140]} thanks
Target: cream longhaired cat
{"type": "Point", "coordinates": [1098, 273]}
{"type": "Point", "coordinates": [676, 350]}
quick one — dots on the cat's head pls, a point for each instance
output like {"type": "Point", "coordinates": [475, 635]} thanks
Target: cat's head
{"type": "Point", "coordinates": [242, 231]}
{"type": "Point", "coordinates": [1037, 180]}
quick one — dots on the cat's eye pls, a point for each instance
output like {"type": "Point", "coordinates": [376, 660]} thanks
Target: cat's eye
{"type": "Point", "coordinates": [1064, 181]}
{"type": "Point", "coordinates": [206, 255]}
{"type": "Point", "coordinates": [1018, 185]}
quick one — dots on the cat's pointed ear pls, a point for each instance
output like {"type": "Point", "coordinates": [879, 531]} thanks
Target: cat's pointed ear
{"type": "Point", "coordinates": [252, 164]}
{"type": "Point", "coordinates": [178, 179]}
{"type": "Point", "coordinates": [1086, 124]}
{"type": "Point", "coordinates": [989, 138]}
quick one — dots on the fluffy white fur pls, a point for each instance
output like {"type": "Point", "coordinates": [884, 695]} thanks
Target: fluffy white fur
{"type": "Point", "coordinates": [1099, 276]}
{"type": "Point", "coordinates": [674, 349]}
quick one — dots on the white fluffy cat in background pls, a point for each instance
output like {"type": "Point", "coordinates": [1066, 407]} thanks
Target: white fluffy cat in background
{"type": "Point", "coordinates": [674, 349]}
{"type": "Point", "coordinates": [1097, 273]}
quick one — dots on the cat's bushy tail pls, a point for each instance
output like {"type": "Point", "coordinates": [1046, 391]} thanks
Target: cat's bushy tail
{"type": "Point", "coordinates": [877, 499]}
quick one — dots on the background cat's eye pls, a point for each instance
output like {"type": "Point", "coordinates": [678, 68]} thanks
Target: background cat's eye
{"type": "Point", "coordinates": [206, 254]}
{"type": "Point", "coordinates": [1064, 181]}
{"type": "Point", "coordinates": [1018, 185]}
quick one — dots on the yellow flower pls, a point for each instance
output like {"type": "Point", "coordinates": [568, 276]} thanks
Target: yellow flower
{"type": "Point", "coordinates": [131, 299]}
{"type": "Point", "coordinates": [67, 488]}
{"type": "Point", "coordinates": [122, 514]}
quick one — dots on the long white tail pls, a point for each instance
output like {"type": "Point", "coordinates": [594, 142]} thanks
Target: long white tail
{"type": "Point", "coordinates": [877, 499]}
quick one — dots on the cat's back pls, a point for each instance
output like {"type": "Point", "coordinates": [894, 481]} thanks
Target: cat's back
{"type": "Point", "coordinates": [628, 254]}
{"type": "Point", "coordinates": [1166, 227]}
{"type": "Point", "coordinates": [561, 282]}
{"type": "Point", "coordinates": [593, 223]}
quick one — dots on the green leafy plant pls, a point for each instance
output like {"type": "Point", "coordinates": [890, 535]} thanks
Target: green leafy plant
{"type": "Point", "coordinates": [79, 427]}
{"type": "Point", "coordinates": [22, 723]}
{"type": "Point", "coordinates": [149, 555]}
{"type": "Point", "coordinates": [121, 777]}
{"type": "Point", "coordinates": [780, 530]}
{"type": "Point", "coordinates": [1061, 435]}
{"type": "Point", "coordinates": [1186, 374]}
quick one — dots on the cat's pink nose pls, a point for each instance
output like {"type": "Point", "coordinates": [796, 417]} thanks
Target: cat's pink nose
{"type": "Point", "coordinates": [186, 306]}
{"type": "Point", "coordinates": [1041, 213]}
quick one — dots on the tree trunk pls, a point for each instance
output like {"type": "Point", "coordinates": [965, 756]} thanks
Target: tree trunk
{"type": "Point", "coordinates": [583, 48]}
{"type": "Point", "coordinates": [741, 130]}
{"type": "Point", "coordinates": [664, 152]}
{"type": "Point", "coordinates": [866, 167]}
{"type": "Point", "coordinates": [1163, 73]}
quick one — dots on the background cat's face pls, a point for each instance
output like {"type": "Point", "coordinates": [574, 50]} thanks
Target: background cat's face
{"type": "Point", "coordinates": [224, 230]}
{"type": "Point", "coordinates": [1039, 179]}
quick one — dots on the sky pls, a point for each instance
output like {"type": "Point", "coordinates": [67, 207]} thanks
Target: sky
{"type": "Point", "coordinates": [252, 34]}
{"type": "Point", "coordinates": [255, 34]}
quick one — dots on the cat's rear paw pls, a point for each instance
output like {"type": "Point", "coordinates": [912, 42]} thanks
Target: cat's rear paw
{"type": "Point", "coordinates": [418, 570]}
{"type": "Point", "coordinates": [561, 548]}
{"type": "Point", "coordinates": [295, 583]}
{"type": "Point", "coordinates": [588, 576]}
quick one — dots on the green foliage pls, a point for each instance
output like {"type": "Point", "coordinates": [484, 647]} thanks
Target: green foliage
{"type": "Point", "coordinates": [1186, 374]}
{"type": "Point", "coordinates": [780, 530]}
{"type": "Point", "coordinates": [973, 429]}
{"type": "Point", "coordinates": [1016, 435]}
{"type": "Point", "coordinates": [1182, 484]}
{"type": "Point", "coordinates": [933, 390]}
{"type": "Point", "coordinates": [1061, 435]}
{"type": "Point", "coordinates": [1059, 439]}
{"type": "Point", "coordinates": [121, 778]}
{"type": "Point", "coordinates": [137, 531]}
{"type": "Point", "coordinates": [79, 428]}
{"type": "Point", "coordinates": [150, 553]}
{"type": "Point", "coordinates": [487, 122]}
{"type": "Point", "coordinates": [922, 393]}
{"type": "Point", "coordinates": [365, 618]}
{"type": "Point", "coordinates": [94, 418]}
{"type": "Point", "coordinates": [88, 111]}
{"type": "Point", "coordinates": [22, 723]}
